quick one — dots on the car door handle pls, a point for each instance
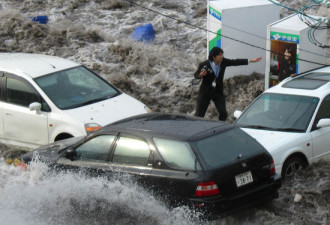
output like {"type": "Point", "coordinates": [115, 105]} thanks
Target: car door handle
{"type": "Point", "coordinates": [8, 114]}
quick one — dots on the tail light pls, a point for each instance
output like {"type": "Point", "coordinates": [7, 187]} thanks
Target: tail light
{"type": "Point", "coordinates": [205, 189]}
{"type": "Point", "coordinates": [272, 167]}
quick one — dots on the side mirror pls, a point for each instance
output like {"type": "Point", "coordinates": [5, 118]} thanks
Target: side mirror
{"type": "Point", "coordinates": [70, 154]}
{"type": "Point", "coordinates": [237, 113]}
{"type": "Point", "coordinates": [35, 106]}
{"type": "Point", "coordinates": [323, 123]}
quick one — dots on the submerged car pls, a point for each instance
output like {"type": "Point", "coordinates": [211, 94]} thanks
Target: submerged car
{"type": "Point", "coordinates": [292, 120]}
{"type": "Point", "coordinates": [46, 99]}
{"type": "Point", "coordinates": [209, 164]}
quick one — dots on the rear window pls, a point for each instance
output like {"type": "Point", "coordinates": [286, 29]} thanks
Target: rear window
{"type": "Point", "coordinates": [177, 154]}
{"type": "Point", "coordinates": [225, 147]}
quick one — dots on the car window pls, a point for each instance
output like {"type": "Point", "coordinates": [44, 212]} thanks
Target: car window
{"type": "Point", "coordinates": [225, 147]}
{"type": "Point", "coordinates": [131, 151]}
{"type": "Point", "coordinates": [177, 154]}
{"type": "Point", "coordinates": [74, 77]}
{"type": "Point", "coordinates": [279, 112]}
{"type": "Point", "coordinates": [75, 87]}
{"type": "Point", "coordinates": [324, 111]}
{"type": "Point", "coordinates": [95, 149]}
{"type": "Point", "coordinates": [2, 82]}
{"type": "Point", "coordinates": [20, 93]}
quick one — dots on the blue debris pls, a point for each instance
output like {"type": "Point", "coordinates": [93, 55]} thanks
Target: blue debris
{"type": "Point", "coordinates": [144, 33]}
{"type": "Point", "coordinates": [40, 19]}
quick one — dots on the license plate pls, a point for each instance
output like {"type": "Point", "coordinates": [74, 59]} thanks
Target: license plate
{"type": "Point", "coordinates": [244, 178]}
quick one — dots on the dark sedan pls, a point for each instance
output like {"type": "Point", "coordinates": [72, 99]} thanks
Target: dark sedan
{"type": "Point", "coordinates": [208, 164]}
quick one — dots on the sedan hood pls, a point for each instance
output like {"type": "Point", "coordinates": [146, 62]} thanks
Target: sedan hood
{"type": "Point", "coordinates": [108, 111]}
{"type": "Point", "coordinates": [271, 139]}
{"type": "Point", "coordinates": [50, 152]}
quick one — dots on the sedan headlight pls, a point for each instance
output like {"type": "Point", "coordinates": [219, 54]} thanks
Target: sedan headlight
{"type": "Point", "coordinates": [147, 109]}
{"type": "Point", "coordinates": [92, 127]}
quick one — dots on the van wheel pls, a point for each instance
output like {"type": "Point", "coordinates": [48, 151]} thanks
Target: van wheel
{"type": "Point", "coordinates": [292, 165]}
{"type": "Point", "coordinates": [63, 136]}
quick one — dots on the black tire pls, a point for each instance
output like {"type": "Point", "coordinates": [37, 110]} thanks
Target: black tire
{"type": "Point", "coordinates": [292, 165]}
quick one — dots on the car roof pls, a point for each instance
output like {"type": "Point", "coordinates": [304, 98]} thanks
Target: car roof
{"type": "Point", "coordinates": [171, 126]}
{"type": "Point", "coordinates": [33, 65]}
{"type": "Point", "coordinates": [314, 83]}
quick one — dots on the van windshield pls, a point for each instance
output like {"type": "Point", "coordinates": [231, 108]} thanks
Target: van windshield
{"type": "Point", "coordinates": [75, 87]}
{"type": "Point", "coordinates": [223, 148]}
{"type": "Point", "coordinates": [280, 112]}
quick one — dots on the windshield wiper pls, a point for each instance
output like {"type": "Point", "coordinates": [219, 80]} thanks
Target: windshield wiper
{"type": "Point", "coordinates": [290, 129]}
{"type": "Point", "coordinates": [257, 127]}
{"type": "Point", "coordinates": [92, 101]}
{"type": "Point", "coordinates": [272, 128]}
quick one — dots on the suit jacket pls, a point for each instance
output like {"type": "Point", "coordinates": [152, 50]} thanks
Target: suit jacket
{"type": "Point", "coordinates": [208, 79]}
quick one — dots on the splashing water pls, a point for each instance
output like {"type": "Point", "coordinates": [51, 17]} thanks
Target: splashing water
{"type": "Point", "coordinates": [41, 196]}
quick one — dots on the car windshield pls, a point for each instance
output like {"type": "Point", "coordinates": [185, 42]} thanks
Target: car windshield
{"type": "Point", "coordinates": [281, 112]}
{"type": "Point", "coordinates": [75, 87]}
{"type": "Point", "coordinates": [225, 147]}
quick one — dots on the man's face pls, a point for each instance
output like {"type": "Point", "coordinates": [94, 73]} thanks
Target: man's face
{"type": "Point", "coordinates": [218, 58]}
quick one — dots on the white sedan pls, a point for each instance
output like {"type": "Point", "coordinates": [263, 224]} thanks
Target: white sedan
{"type": "Point", "coordinates": [47, 98]}
{"type": "Point", "coordinates": [292, 120]}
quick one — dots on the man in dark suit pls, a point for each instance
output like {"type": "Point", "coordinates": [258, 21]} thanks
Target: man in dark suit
{"type": "Point", "coordinates": [213, 70]}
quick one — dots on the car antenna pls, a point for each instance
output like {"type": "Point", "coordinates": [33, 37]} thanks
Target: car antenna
{"type": "Point", "coordinates": [54, 67]}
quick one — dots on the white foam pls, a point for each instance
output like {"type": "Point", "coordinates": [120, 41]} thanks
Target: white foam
{"type": "Point", "coordinates": [40, 196]}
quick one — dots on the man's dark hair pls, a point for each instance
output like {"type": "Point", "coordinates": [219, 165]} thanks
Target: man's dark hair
{"type": "Point", "coordinates": [214, 52]}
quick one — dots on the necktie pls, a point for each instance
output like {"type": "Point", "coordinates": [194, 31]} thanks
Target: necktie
{"type": "Point", "coordinates": [217, 71]}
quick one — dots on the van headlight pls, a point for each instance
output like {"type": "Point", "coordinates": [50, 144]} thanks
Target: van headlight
{"type": "Point", "coordinates": [147, 109]}
{"type": "Point", "coordinates": [92, 127]}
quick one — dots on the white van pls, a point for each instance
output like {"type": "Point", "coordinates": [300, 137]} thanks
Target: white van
{"type": "Point", "coordinates": [292, 120]}
{"type": "Point", "coordinates": [46, 98]}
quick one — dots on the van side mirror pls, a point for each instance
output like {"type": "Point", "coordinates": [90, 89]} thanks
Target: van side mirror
{"type": "Point", "coordinates": [237, 113]}
{"type": "Point", "coordinates": [323, 123]}
{"type": "Point", "coordinates": [35, 106]}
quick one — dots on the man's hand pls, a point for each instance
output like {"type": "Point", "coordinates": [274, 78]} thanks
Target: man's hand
{"type": "Point", "coordinates": [255, 60]}
{"type": "Point", "coordinates": [203, 72]}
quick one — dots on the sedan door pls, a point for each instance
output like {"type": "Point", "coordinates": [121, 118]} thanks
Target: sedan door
{"type": "Point", "coordinates": [321, 136]}
{"type": "Point", "coordinates": [132, 157]}
{"type": "Point", "coordinates": [92, 156]}
{"type": "Point", "coordinates": [176, 172]}
{"type": "Point", "coordinates": [21, 125]}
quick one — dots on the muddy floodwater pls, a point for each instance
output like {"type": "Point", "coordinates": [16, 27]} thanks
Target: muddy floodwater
{"type": "Point", "coordinates": [98, 34]}
{"type": "Point", "coordinates": [38, 196]}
